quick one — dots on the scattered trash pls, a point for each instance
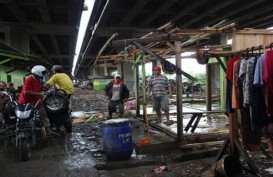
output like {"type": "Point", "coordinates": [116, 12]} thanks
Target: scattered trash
{"type": "Point", "coordinates": [144, 141]}
{"type": "Point", "coordinates": [270, 170]}
{"type": "Point", "coordinates": [160, 169]}
{"type": "Point", "coordinates": [78, 120]}
{"type": "Point", "coordinates": [100, 115]}
{"type": "Point", "coordinates": [97, 155]}
{"type": "Point", "coordinates": [130, 104]}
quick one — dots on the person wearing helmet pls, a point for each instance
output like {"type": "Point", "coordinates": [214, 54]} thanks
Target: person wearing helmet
{"type": "Point", "coordinates": [31, 93]}
{"type": "Point", "coordinates": [60, 80]}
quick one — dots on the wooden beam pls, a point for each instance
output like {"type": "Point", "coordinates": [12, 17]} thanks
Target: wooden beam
{"type": "Point", "coordinates": [200, 31]}
{"type": "Point", "coordinates": [148, 40]}
{"type": "Point", "coordinates": [108, 31]}
{"type": "Point", "coordinates": [254, 31]}
{"type": "Point", "coordinates": [107, 65]}
{"type": "Point", "coordinates": [179, 70]}
{"type": "Point", "coordinates": [163, 27]}
{"type": "Point", "coordinates": [6, 60]}
{"type": "Point", "coordinates": [104, 47]}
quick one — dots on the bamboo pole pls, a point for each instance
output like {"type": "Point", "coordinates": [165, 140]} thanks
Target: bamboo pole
{"type": "Point", "coordinates": [104, 47]}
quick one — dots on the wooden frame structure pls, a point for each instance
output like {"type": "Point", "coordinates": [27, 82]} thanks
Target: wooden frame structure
{"type": "Point", "coordinates": [233, 139]}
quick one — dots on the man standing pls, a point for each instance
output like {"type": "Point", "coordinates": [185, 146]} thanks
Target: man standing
{"type": "Point", "coordinates": [60, 80]}
{"type": "Point", "coordinates": [159, 86]}
{"type": "Point", "coordinates": [31, 93]}
{"type": "Point", "coordinates": [116, 92]}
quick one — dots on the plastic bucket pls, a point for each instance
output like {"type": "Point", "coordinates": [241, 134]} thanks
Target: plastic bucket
{"type": "Point", "coordinates": [117, 139]}
{"type": "Point", "coordinates": [229, 166]}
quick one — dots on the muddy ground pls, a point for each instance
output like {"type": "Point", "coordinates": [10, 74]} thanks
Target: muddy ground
{"type": "Point", "coordinates": [80, 153]}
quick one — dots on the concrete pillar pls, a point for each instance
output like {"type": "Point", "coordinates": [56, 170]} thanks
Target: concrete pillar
{"type": "Point", "coordinates": [98, 71]}
{"type": "Point", "coordinates": [158, 63]}
{"type": "Point", "coordinates": [19, 39]}
{"type": "Point", "coordinates": [129, 75]}
{"type": "Point", "coordinates": [105, 68]}
{"type": "Point", "coordinates": [119, 67]}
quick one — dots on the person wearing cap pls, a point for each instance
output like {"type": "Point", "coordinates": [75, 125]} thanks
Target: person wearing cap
{"type": "Point", "coordinates": [160, 87]}
{"type": "Point", "coordinates": [60, 80]}
{"type": "Point", "coordinates": [116, 92]}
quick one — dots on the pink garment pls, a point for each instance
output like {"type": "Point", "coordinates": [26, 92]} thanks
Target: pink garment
{"type": "Point", "coordinates": [268, 78]}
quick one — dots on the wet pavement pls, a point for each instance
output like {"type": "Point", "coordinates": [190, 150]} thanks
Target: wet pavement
{"type": "Point", "coordinates": [81, 154]}
{"type": "Point", "coordinates": [68, 155]}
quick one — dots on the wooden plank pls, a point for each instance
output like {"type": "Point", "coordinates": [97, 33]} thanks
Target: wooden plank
{"type": "Point", "coordinates": [198, 145]}
{"type": "Point", "coordinates": [243, 41]}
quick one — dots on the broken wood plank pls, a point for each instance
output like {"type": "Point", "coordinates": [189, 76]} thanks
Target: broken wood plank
{"type": "Point", "coordinates": [198, 145]}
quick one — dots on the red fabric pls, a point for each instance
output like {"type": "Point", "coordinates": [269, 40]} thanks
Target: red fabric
{"type": "Point", "coordinates": [229, 75]}
{"type": "Point", "coordinates": [33, 85]}
{"type": "Point", "coordinates": [114, 81]}
{"type": "Point", "coordinates": [268, 77]}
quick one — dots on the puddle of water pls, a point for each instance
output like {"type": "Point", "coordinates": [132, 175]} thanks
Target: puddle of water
{"type": "Point", "coordinates": [81, 114]}
{"type": "Point", "coordinates": [78, 161]}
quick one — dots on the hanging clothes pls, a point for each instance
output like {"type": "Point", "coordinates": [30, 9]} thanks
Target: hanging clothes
{"type": "Point", "coordinates": [268, 78]}
{"type": "Point", "coordinates": [236, 86]}
{"type": "Point", "coordinates": [229, 78]}
{"type": "Point", "coordinates": [250, 134]}
{"type": "Point", "coordinates": [249, 78]}
{"type": "Point", "coordinates": [259, 94]}
{"type": "Point", "coordinates": [242, 99]}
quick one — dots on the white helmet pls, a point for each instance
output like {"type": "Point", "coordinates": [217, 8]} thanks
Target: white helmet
{"type": "Point", "coordinates": [39, 70]}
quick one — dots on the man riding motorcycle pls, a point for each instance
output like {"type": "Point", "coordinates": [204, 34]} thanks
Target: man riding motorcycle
{"type": "Point", "coordinates": [31, 93]}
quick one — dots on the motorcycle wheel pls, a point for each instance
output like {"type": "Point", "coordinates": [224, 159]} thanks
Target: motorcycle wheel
{"type": "Point", "coordinates": [56, 102]}
{"type": "Point", "coordinates": [24, 149]}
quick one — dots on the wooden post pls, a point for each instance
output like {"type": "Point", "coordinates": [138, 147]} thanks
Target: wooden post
{"type": "Point", "coordinates": [208, 86]}
{"type": "Point", "coordinates": [179, 92]}
{"type": "Point", "coordinates": [233, 131]}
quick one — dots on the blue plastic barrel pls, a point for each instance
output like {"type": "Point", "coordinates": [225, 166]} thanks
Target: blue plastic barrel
{"type": "Point", "coordinates": [117, 139]}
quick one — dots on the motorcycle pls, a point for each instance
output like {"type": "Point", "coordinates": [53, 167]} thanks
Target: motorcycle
{"type": "Point", "coordinates": [27, 120]}
{"type": "Point", "coordinates": [56, 104]}
{"type": "Point", "coordinates": [8, 118]}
